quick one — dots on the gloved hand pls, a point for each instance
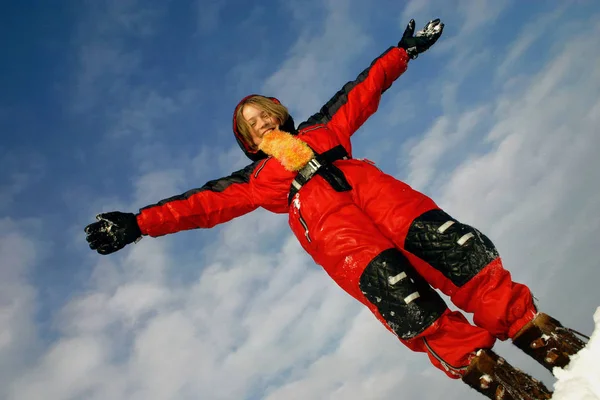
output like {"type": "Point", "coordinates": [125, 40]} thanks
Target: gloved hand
{"type": "Point", "coordinates": [113, 231]}
{"type": "Point", "coordinates": [424, 39]}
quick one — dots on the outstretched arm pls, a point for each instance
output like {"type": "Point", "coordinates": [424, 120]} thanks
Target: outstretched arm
{"type": "Point", "coordinates": [351, 106]}
{"type": "Point", "coordinates": [216, 202]}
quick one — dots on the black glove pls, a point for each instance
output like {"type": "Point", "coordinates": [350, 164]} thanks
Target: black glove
{"type": "Point", "coordinates": [113, 231]}
{"type": "Point", "coordinates": [424, 39]}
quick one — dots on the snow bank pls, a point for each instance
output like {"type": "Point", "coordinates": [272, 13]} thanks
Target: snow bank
{"type": "Point", "coordinates": [580, 380]}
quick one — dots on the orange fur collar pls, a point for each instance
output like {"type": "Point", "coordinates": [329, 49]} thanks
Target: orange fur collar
{"type": "Point", "coordinates": [290, 151]}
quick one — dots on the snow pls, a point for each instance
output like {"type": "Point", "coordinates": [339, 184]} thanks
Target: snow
{"type": "Point", "coordinates": [580, 380]}
{"type": "Point", "coordinates": [485, 381]}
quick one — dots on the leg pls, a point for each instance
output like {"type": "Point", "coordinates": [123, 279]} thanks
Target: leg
{"type": "Point", "coordinates": [452, 257]}
{"type": "Point", "coordinates": [473, 276]}
{"type": "Point", "coordinates": [470, 271]}
{"type": "Point", "coordinates": [464, 264]}
{"type": "Point", "coordinates": [404, 302]}
{"type": "Point", "coordinates": [346, 243]}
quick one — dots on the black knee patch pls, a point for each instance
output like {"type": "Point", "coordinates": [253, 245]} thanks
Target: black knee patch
{"type": "Point", "coordinates": [457, 250]}
{"type": "Point", "coordinates": [404, 299]}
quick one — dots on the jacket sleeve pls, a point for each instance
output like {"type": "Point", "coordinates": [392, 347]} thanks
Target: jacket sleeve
{"type": "Point", "coordinates": [351, 106]}
{"type": "Point", "coordinates": [216, 202]}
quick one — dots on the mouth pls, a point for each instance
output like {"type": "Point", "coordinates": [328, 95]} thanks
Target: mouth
{"type": "Point", "coordinates": [267, 131]}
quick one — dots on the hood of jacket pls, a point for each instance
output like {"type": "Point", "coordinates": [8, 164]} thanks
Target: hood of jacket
{"type": "Point", "coordinates": [255, 155]}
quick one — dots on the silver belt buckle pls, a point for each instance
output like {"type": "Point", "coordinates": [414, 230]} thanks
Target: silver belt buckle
{"type": "Point", "coordinates": [307, 172]}
{"type": "Point", "coordinates": [314, 165]}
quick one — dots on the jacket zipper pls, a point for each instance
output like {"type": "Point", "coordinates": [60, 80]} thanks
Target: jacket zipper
{"type": "Point", "coordinates": [458, 371]}
{"type": "Point", "coordinates": [305, 226]}
{"type": "Point", "coordinates": [261, 167]}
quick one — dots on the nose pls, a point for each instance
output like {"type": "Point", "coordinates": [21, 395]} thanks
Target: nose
{"type": "Point", "coordinates": [262, 122]}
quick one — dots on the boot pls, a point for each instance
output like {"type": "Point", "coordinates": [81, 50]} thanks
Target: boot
{"type": "Point", "coordinates": [548, 342]}
{"type": "Point", "coordinates": [492, 376]}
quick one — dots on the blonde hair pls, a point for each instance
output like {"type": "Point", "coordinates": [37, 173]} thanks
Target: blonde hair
{"type": "Point", "coordinates": [271, 107]}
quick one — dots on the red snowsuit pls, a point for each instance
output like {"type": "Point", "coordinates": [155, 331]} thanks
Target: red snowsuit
{"type": "Point", "coordinates": [375, 240]}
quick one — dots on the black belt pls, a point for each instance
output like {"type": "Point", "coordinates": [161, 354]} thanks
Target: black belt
{"type": "Point", "coordinates": [322, 164]}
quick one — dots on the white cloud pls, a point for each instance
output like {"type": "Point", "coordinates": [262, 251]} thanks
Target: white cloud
{"type": "Point", "coordinates": [414, 8]}
{"type": "Point", "coordinates": [479, 13]}
{"type": "Point", "coordinates": [311, 74]}
{"type": "Point", "coordinates": [67, 370]}
{"type": "Point", "coordinates": [441, 143]}
{"type": "Point", "coordinates": [18, 334]}
{"type": "Point", "coordinates": [145, 111]}
{"type": "Point", "coordinates": [465, 44]}
{"type": "Point", "coordinates": [529, 35]}
{"type": "Point", "coordinates": [157, 185]}
{"type": "Point", "coordinates": [248, 320]}
{"type": "Point", "coordinates": [462, 18]}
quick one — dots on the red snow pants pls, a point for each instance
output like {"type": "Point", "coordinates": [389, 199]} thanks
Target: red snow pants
{"type": "Point", "coordinates": [369, 238]}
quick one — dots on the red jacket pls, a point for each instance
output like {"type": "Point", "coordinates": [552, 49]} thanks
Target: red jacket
{"type": "Point", "coordinates": [265, 183]}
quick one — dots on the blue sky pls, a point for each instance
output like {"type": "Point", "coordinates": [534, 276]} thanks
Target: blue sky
{"type": "Point", "coordinates": [117, 104]}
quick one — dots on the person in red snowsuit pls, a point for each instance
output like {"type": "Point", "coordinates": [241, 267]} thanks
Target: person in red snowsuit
{"type": "Point", "coordinates": [384, 243]}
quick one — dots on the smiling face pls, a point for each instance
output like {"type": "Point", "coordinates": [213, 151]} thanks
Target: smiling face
{"type": "Point", "coordinates": [259, 121]}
